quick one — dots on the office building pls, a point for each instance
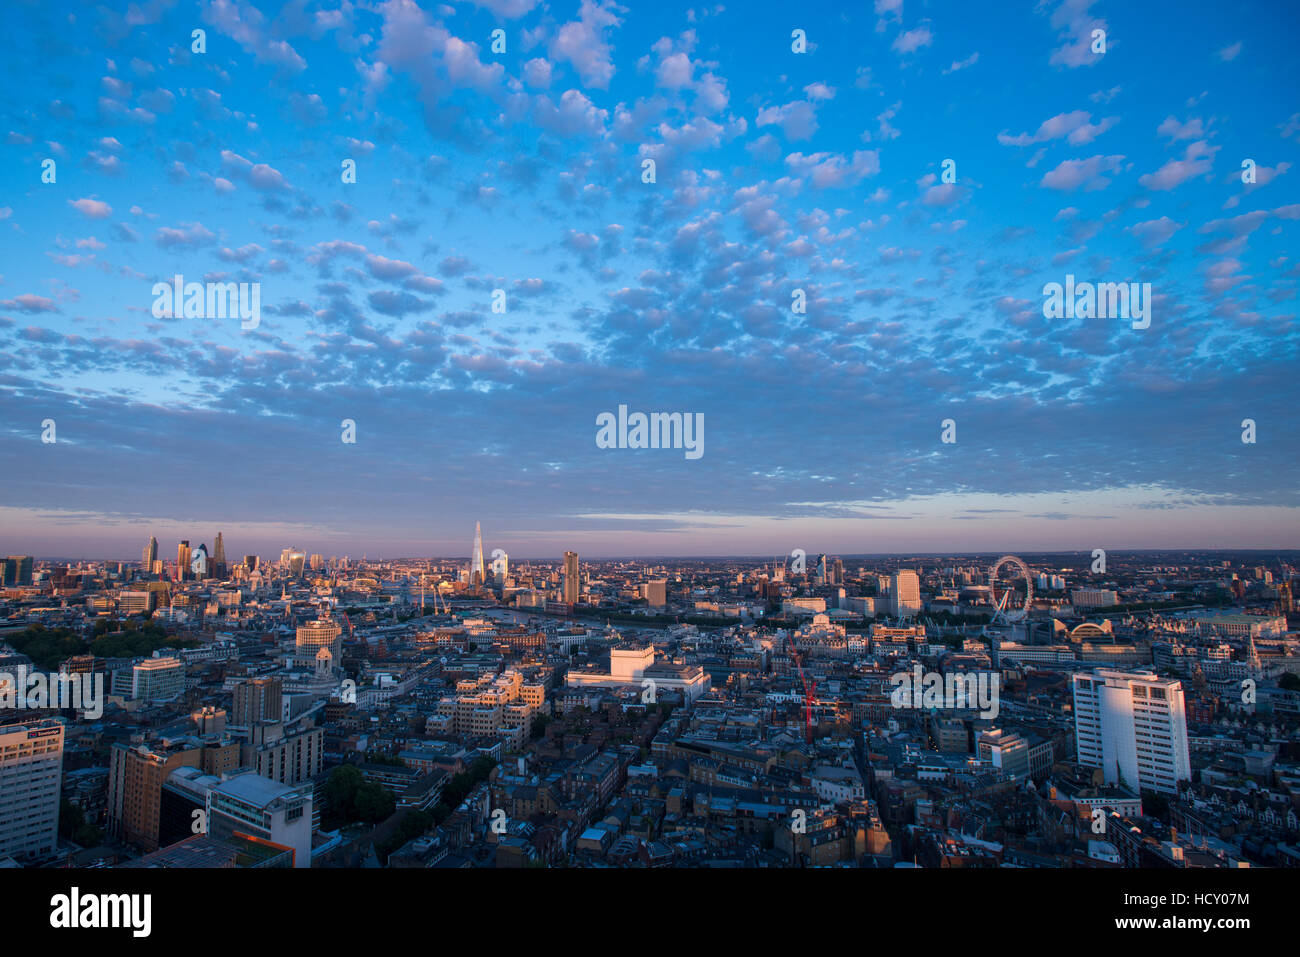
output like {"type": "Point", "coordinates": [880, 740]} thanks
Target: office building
{"type": "Point", "coordinates": [289, 758]}
{"type": "Point", "coordinates": [631, 665]}
{"type": "Point", "coordinates": [1093, 598]}
{"type": "Point", "coordinates": [199, 563]}
{"type": "Point", "coordinates": [183, 793]}
{"type": "Point", "coordinates": [477, 572]}
{"type": "Point", "coordinates": [905, 594]}
{"type": "Point", "coordinates": [803, 607]}
{"type": "Point", "coordinates": [136, 602]}
{"type": "Point", "coordinates": [292, 562]}
{"type": "Point", "coordinates": [150, 555]}
{"type": "Point", "coordinates": [312, 637]}
{"type": "Point", "coordinates": [18, 570]}
{"type": "Point", "coordinates": [1007, 751]}
{"type": "Point", "coordinates": [572, 587]}
{"type": "Point", "coordinates": [158, 679]}
{"type": "Point", "coordinates": [249, 805]}
{"type": "Point", "coordinates": [31, 774]}
{"type": "Point", "coordinates": [1133, 726]}
{"type": "Point", "coordinates": [135, 779]}
{"type": "Point", "coordinates": [255, 700]}
{"type": "Point", "coordinates": [655, 593]}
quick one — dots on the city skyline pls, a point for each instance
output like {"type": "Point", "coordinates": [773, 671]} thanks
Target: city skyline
{"type": "Point", "coordinates": [468, 557]}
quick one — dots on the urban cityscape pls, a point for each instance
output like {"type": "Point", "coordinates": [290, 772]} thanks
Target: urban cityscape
{"type": "Point", "coordinates": [532, 439]}
{"type": "Point", "coordinates": [1102, 710]}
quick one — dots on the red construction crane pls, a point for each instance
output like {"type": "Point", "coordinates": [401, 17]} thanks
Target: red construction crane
{"type": "Point", "coordinates": [809, 694]}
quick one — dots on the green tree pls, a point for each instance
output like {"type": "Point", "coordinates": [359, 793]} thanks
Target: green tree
{"type": "Point", "coordinates": [374, 802]}
{"type": "Point", "coordinates": [341, 791]}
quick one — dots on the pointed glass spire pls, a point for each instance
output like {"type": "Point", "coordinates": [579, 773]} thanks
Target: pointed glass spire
{"type": "Point", "coordinates": [476, 568]}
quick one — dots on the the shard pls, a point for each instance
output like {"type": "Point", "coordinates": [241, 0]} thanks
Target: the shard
{"type": "Point", "coordinates": [476, 568]}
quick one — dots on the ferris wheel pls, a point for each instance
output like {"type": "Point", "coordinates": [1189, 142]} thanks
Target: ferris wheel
{"type": "Point", "coordinates": [1004, 613]}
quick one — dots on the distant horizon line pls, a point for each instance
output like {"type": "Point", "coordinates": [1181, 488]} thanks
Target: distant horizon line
{"type": "Point", "coordinates": [738, 557]}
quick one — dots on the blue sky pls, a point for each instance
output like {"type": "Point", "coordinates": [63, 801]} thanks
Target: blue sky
{"type": "Point", "coordinates": [775, 171]}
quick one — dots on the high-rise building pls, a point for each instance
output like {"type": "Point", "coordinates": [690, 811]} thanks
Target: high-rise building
{"type": "Point", "coordinates": [317, 562]}
{"type": "Point", "coordinates": [150, 555]}
{"type": "Point", "coordinates": [183, 560]}
{"type": "Point", "coordinates": [1133, 726]}
{"type": "Point", "coordinates": [837, 572]}
{"type": "Point", "coordinates": [477, 572]}
{"type": "Point", "coordinates": [257, 699]}
{"type": "Point", "coordinates": [18, 570]}
{"type": "Point", "coordinates": [199, 562]}
{"type": "Point", "coordinates": [572, 587]}
{"type": "Point", "coordinates": [905, 594]}
{"type": "Point", "coordinates": [289, 757]}
{"type": "Point", "coordinates": [292, 561]}
{"type": "Point", "coordinates": [31, 774]}
{"type": "Point", "coordinates": [250, 562]}
{"type": "Point", "coordinates": [219, 557]}
{"type": "Point", "coordinates": [135, 779]}
{"type": "Point", "coordinates": [655, 593]}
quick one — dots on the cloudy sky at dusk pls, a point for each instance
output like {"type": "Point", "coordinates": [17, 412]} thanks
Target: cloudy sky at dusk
{"type": "Point", "coordinates": [522, 171]}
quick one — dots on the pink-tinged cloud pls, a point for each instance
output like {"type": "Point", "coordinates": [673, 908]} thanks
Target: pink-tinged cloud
{"type": "Point", "coordinates": [1086, 173]}
{"type": "Point", "coordinates": [832, 170]}
{"type": "Point", "coordinates": [1155, 232]}
{"type": "Point", "coordinates": [1196, 161]}
{"type": "Point", "coordinates": [913, 40]}
{"type": "Point", "coordinates": [1077, 126]}
{"type": "Point", "coordinates": [91, 208]}
{"type": "Point", "coordinates": [29, 303]}
{"type": "Point", "coordinates": [1193, 129]}
{"type": "Point", "coordinates": [1074, 26]}
{"type": "Point", "coordinates": [382, 267]}
{"type": "Point", "coordinates": [583, 43]}
{"type": "Point", "coordinates": [247, 26]}
{"type": "Point", "coordinates": [798, 120]}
